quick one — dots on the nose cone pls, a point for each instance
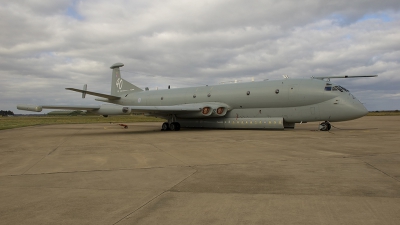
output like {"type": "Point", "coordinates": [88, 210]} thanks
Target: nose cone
{"type": "Point", "coordinates": [355, 109]}
{"type": "Point", "coordinates": [347, 108]}
{"type": "Point", "coordinates": [359, 109]}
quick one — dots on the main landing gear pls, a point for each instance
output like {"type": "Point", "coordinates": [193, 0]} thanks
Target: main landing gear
{"type": "Point", "coordinates": [325, 126]}
{"type": "Point", "coordinates": [172, 126]}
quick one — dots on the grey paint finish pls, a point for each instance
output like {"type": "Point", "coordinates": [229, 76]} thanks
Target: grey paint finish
{"type": "Point", "coordinates": [290, 100]}
{"type": "Point", "coordinates": [298, 100]}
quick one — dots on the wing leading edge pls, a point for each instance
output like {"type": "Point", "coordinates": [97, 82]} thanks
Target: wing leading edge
{"type": "Point", "coordinates": [344, 76]}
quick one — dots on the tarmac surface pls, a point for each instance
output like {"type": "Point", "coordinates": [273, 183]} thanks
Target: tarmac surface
{"type": "Point", "coordinates": [104, 174]}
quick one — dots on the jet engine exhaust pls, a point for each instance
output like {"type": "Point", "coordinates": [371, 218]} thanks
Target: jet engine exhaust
{"type": "Point", "coordinates": [220, 110]}
{"type": "Point", "coordinates": [206, 111]}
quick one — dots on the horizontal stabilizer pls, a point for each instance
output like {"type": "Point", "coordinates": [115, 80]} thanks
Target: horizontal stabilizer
{"type": "Point", "coordinates": [344, 76]}
{"type": "Point", "coordinates": [110, 97]}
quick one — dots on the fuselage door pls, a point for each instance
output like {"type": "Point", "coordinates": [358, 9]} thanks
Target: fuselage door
{"type": "Point", "coordinates": [314, 113]}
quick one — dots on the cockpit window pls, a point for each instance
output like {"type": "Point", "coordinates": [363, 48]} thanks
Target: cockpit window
{"type": "Point", "coordinates": [344, 89]}
{"type": "Point", "coordinates": [336, 88]}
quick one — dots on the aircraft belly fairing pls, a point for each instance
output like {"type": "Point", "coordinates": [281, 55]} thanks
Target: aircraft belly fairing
{"type": "Point", "coordinates": [234, 123]}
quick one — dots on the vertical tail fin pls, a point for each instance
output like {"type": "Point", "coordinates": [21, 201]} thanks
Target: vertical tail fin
{"type": "Point", "coordinates": [118, 85]}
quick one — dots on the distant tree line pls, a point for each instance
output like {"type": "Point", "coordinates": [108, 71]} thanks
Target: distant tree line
{"type": "Point", "coordinates": [6, 113]}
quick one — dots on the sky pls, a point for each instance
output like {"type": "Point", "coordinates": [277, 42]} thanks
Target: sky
{"type": "Point", "coordinates": [47, 46]}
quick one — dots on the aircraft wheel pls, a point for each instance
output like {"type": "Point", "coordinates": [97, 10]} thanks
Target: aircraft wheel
{"type": "Point", "coordinates": [175, 126]}
{"type": "Point", "coordinates": [178, 126]}
{"type": "Point", "coordinates": [325, 126]}
{"type": "Point", "coordinates": [172, 126]}
{"type": "Point", "coordinates": [329, 126]}
{"type": "Point", "coordinates": [165, 126]}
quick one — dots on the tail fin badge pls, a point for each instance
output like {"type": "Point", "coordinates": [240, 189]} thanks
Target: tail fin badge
{"type": "Point", "coordinates": [119, 83]}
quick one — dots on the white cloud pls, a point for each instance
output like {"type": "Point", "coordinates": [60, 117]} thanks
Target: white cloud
{"type": "Point", "coordinates": [57, 44]}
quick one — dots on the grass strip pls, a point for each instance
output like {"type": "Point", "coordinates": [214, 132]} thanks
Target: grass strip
{"type": "Point", "coordinates": [384, 113]}
{"type": "Point", "coordinates": [24, 121]}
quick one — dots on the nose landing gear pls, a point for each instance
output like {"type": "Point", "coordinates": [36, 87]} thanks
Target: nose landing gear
{"type": "Point", "coordinates": [325, 126]}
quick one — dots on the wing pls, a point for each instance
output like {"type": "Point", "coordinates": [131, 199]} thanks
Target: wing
{"type": "Point", "coordinates": [194, 110]}
{"type": "Point", "coordinates": [344, 76]}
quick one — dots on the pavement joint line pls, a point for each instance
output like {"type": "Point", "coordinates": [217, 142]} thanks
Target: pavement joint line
{"type": "Point", "coordinates": [90, 171]}
{"type": "Point", "coordinates": [33, 165]}
{"type": "Point", "coordinates": [148, 202]}
{"type": "Point", "coordinates": [373, 154]}
{"type": "Point", "coordinates": [170, 155]}
{"type": "Point", "coordinates": [73, 188]}
{"type": "Point", "coordinates": [394, 178]}
{"type": "Point", "coordinates": [62, 142]}
{"type": "Point", "coordinates": [172, 166]}
{"type": "Point", "coordinates": [52, 150]}
{"type": "Point", "coordinates": [208, 192]}
{"type": "Point", "coordinates": [284, 194]}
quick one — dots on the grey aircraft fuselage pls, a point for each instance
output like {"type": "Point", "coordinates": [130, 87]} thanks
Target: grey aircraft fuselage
{"type": "Point", "coordinates": [295, 100]}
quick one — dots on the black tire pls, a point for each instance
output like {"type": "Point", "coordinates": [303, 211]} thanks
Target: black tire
{"type": "Point", "coordinates": [165, 126]}
{"type": "Point", "coordinates": [328, 126]}
{"type": "Point", "coordinates": [325, 126]}
{"type": "Point", "coordinates": [173, 126]}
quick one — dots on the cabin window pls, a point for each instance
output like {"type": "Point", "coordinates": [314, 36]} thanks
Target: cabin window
{"type": "Point", "coordinates": [277, 91]}
{"type": "Point", "coordinates": [194, 96]}
{"type": "Point", "coordinates": [248, 93]}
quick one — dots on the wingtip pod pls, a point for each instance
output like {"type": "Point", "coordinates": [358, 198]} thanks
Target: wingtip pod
{"type": "Point", "coordinates": [113, 110]}
{"type": "Point", "coordinates": [33, 108]}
